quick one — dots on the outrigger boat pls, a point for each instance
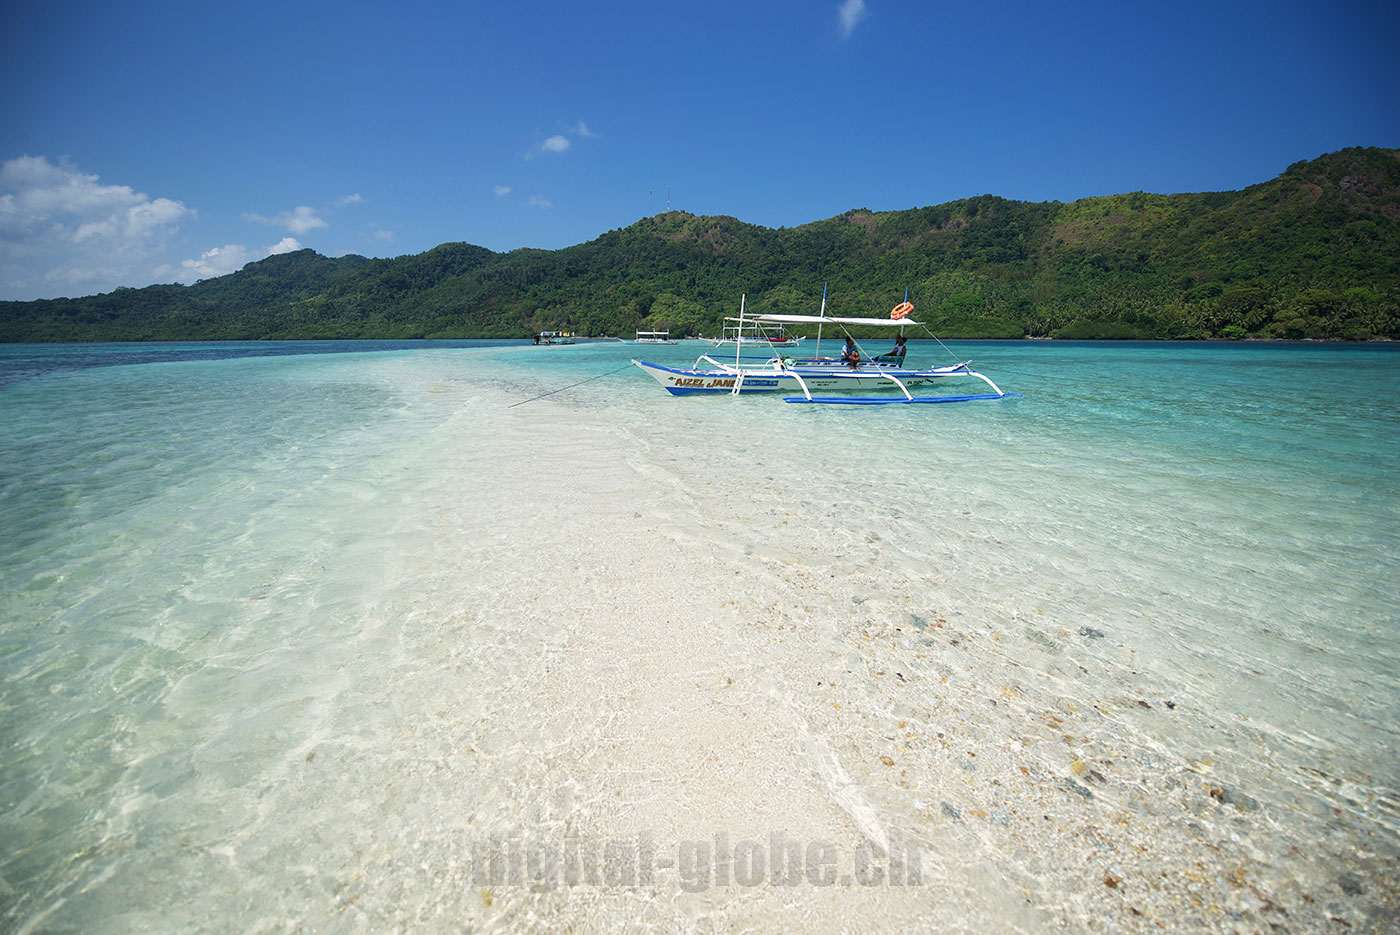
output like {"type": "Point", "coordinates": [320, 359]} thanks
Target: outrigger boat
{"type": "Point", "coordinates": [748, 333]}
{"type": "Point", "coordinates": [653, 337]}
{"type": "Point", "coordinates": [809, 376]}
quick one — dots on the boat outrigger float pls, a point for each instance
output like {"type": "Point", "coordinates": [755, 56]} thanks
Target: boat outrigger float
{"type": "Point", "coordinates": [811, 375]}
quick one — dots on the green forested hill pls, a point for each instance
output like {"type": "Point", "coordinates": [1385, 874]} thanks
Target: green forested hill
{"type": "Point", "coordinates": [1314, 253]}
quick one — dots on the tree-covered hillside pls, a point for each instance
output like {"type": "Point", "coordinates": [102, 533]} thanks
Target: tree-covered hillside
{"type": "Point", "coordinates": [1314, 253]}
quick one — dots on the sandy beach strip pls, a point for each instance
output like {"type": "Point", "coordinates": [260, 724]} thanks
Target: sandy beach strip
{"type": "Point", "coordinates": [622, 691]}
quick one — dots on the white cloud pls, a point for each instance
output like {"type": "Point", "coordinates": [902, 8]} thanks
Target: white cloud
{"type": "Point", "coordinates": [501, 190]}
{"type": "Point", "coordinates": [299, 220]}
{"type": "Point", "coordinates": [539, 201]}
{"type": "Point", "coordinates": [560, 142]}
{"type": "Point", "coordinates": [230, 258]}
{"type": "Point", "coordinates": [850, 13]}
{"type": "Point", "coordinates": [141, 221]}
{"type": "Point", "coordinates": [383, 234]}
{"type": "Point", "coordinates": [218, 261]}
{"type": "Point", "coordinates": [350, 200]}
{"type": "Point", "coordinates": [62, 231]}
{"type": "Point", "coordinates": [285, 245]}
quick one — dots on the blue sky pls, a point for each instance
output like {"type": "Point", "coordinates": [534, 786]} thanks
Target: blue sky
{"type": "Point", "coordinates": [168, 142]}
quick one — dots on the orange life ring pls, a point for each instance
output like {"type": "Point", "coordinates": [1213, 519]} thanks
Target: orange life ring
{"type": "Point", "coordinates": [901, 310]}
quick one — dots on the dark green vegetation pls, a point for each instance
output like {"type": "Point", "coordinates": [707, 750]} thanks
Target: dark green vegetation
{"type": "Point", "coordinates": [1314, 253]}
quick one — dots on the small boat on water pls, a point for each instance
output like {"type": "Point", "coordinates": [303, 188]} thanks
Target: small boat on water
{"type": "Point", "coordinates": [653, 337]}
{"type": "Point", "coordinates": [554, 337]}
{"type": "Point", "coordinates": [807, 377]}
{"type": "Point", "coordinates": [752, 333]}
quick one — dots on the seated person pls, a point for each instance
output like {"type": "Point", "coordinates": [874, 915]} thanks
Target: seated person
{"type": "Point", "coordinates": [850, 353]}
{"type": "Point", "coordinates": [898, 351]}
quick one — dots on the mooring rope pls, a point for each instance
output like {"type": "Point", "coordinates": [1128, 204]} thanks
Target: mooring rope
{"type": "Point", "coordinates": [570, 386]}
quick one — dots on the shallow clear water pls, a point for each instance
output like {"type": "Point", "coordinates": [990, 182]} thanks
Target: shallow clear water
{"type": "Point", "coordinates": [285, 627]}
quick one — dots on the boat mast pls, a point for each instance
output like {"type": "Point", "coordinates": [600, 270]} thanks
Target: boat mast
{"type": "Point", "coordinates": [738, 335]}
{"type": "Point", "coordinates": [821, 314]}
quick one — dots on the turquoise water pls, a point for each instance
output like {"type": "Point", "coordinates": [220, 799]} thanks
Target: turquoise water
{"type": "Point", "coordinates": [262, 601]}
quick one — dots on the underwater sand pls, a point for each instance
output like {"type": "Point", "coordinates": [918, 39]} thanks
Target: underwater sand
{"type": "Point", "coordinates": [352, 642]}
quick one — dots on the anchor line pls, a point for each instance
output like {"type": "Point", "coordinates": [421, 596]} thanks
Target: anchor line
{"type": "Point", "coordinates": [570, 386]}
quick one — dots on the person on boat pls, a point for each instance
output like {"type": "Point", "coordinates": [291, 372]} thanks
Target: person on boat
{"type": "Point", "coordinates": [898, 351]}
{"type": "Point", "coordinates": [850, 353]}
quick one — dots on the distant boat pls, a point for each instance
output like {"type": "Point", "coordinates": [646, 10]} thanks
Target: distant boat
{"type": "Point", "coordinates": [554, 337]}
{"type": "Point", "coordinates": [750, 333]}
{"type": "Point", "coordinates": [653, 337]}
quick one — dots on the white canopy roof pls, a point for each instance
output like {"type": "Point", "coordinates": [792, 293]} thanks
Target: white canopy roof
{"type": "Point", "coordinates": [819, 320]}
